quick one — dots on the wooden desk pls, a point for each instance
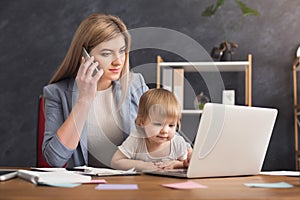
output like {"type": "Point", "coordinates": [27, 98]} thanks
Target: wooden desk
{"type": "Point", "coordinates": [149, 188]}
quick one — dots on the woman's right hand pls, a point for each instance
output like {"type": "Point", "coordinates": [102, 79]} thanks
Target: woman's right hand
{"type": "Point", "coordinates": [87, 80]}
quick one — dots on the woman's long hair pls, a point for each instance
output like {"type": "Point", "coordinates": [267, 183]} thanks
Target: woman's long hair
{"type": "Point", "coordinates": [92, 31]}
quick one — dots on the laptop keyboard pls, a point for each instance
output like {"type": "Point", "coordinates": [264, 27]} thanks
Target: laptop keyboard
{"type": "Point", "coordinates": [176, 171]}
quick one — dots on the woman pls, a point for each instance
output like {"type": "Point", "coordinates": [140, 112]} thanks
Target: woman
{"type": "Point", "coordinates": [91, 103]}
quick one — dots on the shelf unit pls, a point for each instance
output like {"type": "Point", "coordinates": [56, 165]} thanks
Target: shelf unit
{"type": "Point", "coordinates": [228, 66]}
{"type": "Point", "coordinates": [296, 69]}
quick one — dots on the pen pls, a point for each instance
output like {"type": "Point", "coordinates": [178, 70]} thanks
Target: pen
{"type": "Point", "coordinates": [75, 169]}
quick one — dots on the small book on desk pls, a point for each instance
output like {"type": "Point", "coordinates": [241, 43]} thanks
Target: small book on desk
{"type": "Point", "coordinates": [53, 177]}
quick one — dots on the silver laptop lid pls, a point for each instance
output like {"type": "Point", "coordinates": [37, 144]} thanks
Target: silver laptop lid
{"type": "Point", "coordinates": [231, 140]}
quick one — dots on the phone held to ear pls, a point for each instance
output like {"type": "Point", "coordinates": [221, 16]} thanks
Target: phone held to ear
{"type": "Point", "coordinates": [6, 174]}
{"type": "Point", "coordinates": [86, 55]}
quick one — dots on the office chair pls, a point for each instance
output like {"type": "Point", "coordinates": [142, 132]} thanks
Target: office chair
{"type": "Point", "coordinates": [41, 162]}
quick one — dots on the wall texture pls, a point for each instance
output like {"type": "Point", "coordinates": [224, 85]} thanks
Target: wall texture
{"type": "Point", "coordinates": [35, 36]}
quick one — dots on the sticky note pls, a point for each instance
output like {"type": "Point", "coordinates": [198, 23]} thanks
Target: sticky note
{"type": "Point", "coordinates": [117, 187]}
{"type": "Point", "coordinates": [97, 181]}
{"type": "Point", "coordinates": [185, 185]}
{"type": "Point", "coordinates": [270, 185]}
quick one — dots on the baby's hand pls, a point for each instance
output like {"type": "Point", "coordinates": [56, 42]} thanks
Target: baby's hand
{"type": "Point", "coordinates": [170, 164]}
{"type": "Point", "coordinates": [186, 162]}
{"type": "Point", "coordinates": [149, 166]}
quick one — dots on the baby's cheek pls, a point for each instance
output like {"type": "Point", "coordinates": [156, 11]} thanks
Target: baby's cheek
{"type": "Point", "coordinates": [171, 134]}
{"type": "Point", "coordinates": [152, 131]}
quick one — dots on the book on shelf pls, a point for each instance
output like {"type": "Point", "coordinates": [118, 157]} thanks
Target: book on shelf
{"type": "Point", "coordinates": [178, 85]}
{"type": "Point", "coordinates": [173, 80]}
{"type": "Point", "coordinates": [167, 78]}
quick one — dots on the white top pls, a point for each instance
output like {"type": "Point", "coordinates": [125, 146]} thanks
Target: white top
{"type": "Point", "coordinates": [134, 147]}
{"type": "Point", "coordinates": [104, 129]}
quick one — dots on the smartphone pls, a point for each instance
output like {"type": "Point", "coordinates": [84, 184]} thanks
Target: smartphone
{"type": "Point", "coordinates": [87, 56]}
{"type": "Point", "coordinates": [6, 174]}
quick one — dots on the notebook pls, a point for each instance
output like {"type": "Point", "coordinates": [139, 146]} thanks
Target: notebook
{"type": "Point", "coordinates": [231, 141]}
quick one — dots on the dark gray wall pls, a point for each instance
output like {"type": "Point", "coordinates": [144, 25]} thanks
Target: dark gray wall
{"type": "Point", "coordinates": [35, 36]}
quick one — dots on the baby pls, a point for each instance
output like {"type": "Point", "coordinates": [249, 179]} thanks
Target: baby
{"type": "Point", "coordinates": [155, 144]}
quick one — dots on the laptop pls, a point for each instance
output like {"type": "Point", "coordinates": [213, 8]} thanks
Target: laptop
{"type": "Point", "coordinates": [231, 141]}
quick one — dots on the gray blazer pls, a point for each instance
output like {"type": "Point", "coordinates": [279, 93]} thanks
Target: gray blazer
{"type": "Point", "coordinates": [59, 100]}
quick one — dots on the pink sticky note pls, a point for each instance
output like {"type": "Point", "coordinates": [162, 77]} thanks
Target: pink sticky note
{"type": "Point", "coordinates": [97, 181]}
{"type": "Point", "coordinates": [184, 185]}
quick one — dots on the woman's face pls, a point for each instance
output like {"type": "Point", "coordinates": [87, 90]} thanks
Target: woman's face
{"type": "Point", "coordinates": [111, 57]}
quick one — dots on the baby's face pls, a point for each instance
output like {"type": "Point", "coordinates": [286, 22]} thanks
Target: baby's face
{"type": "Point", "coordinates": [160, 128]}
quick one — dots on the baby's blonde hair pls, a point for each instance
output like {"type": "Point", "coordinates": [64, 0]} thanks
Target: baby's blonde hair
{"type": "Point", "coordinates": [158, 100]}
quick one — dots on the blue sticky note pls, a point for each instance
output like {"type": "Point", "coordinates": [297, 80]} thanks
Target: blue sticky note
{"type": "Point", "coordinates": [270, 185]}
{"type": "Point", "coordinates": [117, 187]}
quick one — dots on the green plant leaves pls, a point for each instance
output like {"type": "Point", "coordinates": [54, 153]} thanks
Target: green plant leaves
{"type": "Point", "coordinates": [246, 10]}
{"type": "Point", "coordinates": [212, 9]}
{"type": "Point", "coordinates": [242, 11]}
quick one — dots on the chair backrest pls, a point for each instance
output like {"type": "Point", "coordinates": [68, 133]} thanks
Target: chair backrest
{"type": "Point", "coordinates": [41, 162]}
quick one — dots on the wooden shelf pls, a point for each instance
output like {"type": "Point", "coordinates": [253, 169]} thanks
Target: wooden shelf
{"type": "Point", "coordinates": [296, 69]}
{"type": "Point", "coordinates": [231, 66]}
{"type": "Point", "coordinates": [235, 66]}
{"type": "Point", "coordinates": [191, 111]}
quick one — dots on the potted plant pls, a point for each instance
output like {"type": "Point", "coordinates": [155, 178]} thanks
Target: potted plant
{"type": "Point", "coordinates": [225, 50]}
